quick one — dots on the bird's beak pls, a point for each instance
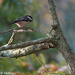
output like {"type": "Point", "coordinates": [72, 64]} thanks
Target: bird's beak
{"type": "Point", "coordinates": [33, 21]}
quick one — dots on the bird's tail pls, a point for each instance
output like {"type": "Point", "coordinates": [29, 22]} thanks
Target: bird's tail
{"type": "Point", "coordinates": [11, 23]}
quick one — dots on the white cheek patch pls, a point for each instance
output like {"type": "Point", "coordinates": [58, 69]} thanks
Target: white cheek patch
{"type": "Point", "coordinates": [29, 17]}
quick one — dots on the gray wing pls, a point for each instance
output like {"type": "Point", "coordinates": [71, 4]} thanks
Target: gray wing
{"type": "Point", "coordinates": [16, 21]}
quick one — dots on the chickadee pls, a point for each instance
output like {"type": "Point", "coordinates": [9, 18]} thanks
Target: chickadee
{"type": "Point", "coordinates": [22, 21]}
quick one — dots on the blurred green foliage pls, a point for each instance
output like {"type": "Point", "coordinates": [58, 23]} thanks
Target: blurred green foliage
{"type": "Point", "coordinates": [11, 10]}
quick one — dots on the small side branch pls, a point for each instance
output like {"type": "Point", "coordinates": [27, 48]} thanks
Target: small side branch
{"type": "Point", "coordinates": [26, 29]}
{"type": "Point", "coordinates": [41, 62]}
{"type": "Point", "coordinates": [12, 38]}
{"type": "Point", "coordinates": [10, 30]}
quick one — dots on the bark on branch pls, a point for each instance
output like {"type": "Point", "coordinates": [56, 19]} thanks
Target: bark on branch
{"type": "Point", "coordinates": [25, 44]}
{"type": "Point", "coordinates": [15, 53]}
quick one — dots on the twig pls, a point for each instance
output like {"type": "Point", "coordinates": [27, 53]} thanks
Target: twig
{"type": "Point", "coordinates": [12, 38]}
{"type": "Point", "coordinates": [40, 61]}
{"type": "Point", "coordinates": [25, 28]}
{"type": "Point", "coordinates": [10, 30]}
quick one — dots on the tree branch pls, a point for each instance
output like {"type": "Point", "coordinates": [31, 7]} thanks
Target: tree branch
{"type": "Point", "coordinates": [26, 48]}
{"type": "Point", "coordinates": [15, 53]}
{"type": "Point", "coordinates": [26, 29]}
{"type": "Point", "coordinates": [25, 44]}
{"type": "Point", "coordinates": [10, 30]}
{"type": "Point", "coordinates": [12, 38]}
